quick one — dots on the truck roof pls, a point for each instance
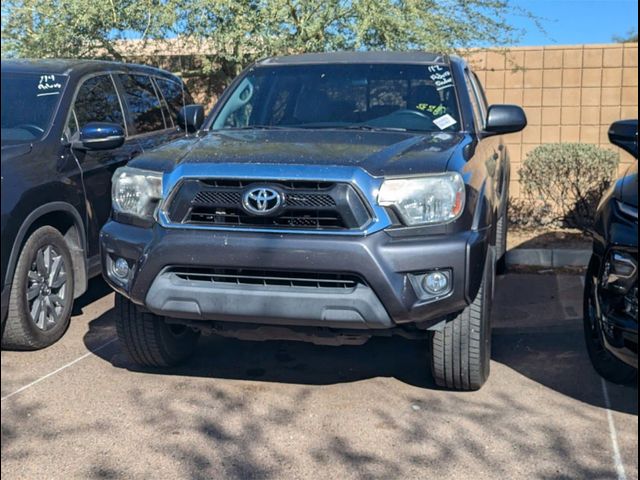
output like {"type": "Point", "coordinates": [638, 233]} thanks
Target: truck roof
{"type": "Point", "coordinates": [415, 57]}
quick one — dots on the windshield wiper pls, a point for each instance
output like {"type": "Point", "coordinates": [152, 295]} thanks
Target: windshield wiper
{"type": "Point", "coordinates": [373, 128]}
{"type": "Point", "coordinates": [260, 127]}
{"type": "Point", "coordinates": [355, 126]}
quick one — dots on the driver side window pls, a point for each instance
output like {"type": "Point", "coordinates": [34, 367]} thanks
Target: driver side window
{"type": "Point", "coordinates": [97, 101]}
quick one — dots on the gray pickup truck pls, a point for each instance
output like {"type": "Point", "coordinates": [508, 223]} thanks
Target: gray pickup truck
{"type": "Point", "coordinates": [326, 198]}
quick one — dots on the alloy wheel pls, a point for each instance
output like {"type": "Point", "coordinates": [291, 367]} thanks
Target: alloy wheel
{"type": "Point", "coordinates": [46, 291]}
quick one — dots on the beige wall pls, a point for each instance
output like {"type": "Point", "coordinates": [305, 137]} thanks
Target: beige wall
{"type": "Point", "coordinates": [570, 93]}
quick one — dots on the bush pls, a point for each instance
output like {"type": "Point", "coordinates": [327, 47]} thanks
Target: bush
{"type": "Point", "coordinates": [562, 184]}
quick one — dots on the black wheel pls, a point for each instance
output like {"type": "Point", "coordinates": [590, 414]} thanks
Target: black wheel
{"type": "Point", "coordinates": [604, 362]}
{"type": "Point", "coordinates": [149, 340]}
{"type": "Point", "coordinates": [461, 351]}
{"type": "Point", "coordinates": [41, 296]}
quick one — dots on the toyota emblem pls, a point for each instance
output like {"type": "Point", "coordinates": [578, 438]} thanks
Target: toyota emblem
{"type": "Point", "coordinates": [261, 201]}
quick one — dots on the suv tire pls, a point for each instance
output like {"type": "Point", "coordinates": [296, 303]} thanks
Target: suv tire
{"type": "Point", "coordinates": [604, 362]}
{"type": "Point", "coordinates": [461, 351]}
{"type": "Point", "coordinates": [41, 298]}
{"type": "Point", "coordinates": [149, 340]}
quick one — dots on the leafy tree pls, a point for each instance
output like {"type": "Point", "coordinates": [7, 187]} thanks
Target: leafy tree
{"type": "Point", "coordinates": [630, 37]}
{"type": "Point", "coordinates": [80, 28]}
{"type": "Point", "coordinates": [228, 34]}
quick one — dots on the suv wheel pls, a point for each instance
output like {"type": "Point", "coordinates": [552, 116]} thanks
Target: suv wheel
{"type": "Point", "coordinates": [149, 340]}
{"type": "Point", "coordinates": [604, 362]}
{"type": "Point", "coordinates": [461, 351]}
{"type": "Point", "coordinates": [41, 296]}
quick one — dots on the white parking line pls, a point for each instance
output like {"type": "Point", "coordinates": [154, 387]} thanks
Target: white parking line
{"type": "Point", "coordinates": [617, 459]}
{"type": "Point", "coordinates": [29, 385]}
{"type": "Point", "coordinates": [613, 434]}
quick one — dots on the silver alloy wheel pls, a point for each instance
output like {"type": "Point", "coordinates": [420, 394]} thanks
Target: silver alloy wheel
{"type": "Point", "coordinates": [46, 288]}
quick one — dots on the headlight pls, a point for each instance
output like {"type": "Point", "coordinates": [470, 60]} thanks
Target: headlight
{"type": "Point", "coordinates": [136, 192]}
{"type": "Point", "coordinates": [425, 200]}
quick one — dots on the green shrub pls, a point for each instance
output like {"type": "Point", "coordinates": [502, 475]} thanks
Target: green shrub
{"type": "Point", "coordinates": [562, 184]}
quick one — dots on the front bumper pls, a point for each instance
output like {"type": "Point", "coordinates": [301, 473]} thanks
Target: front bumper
{"type": "Point", "coordinates": [388, 296]}
{"type": "Point", "coordinates": [618, 304]}
{"type": "Point", "coordinates": [621, 337]}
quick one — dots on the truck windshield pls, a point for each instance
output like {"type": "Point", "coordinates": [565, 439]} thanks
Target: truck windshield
{"type": "Point", "coordinates": [355, 96]}
{"type": "Point", "coordinates": [29, 101]}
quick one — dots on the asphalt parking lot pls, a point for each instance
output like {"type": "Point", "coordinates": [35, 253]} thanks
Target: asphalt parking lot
{"type": "Point", "coordinates": [281, 410]}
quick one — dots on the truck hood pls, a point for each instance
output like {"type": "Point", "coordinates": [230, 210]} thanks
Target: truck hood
{"type": "Point", "coordinates": [379, 153]}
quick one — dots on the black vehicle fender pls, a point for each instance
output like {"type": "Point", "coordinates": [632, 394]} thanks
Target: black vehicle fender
{"type": "Point", "coordinates": [75, 238]}
{"type": "Point", "coordinates": [486, 213]}
{"type": "Point", "coordinates": [484, 238]}
{"type": "Point", "coordinates": [503, 187]}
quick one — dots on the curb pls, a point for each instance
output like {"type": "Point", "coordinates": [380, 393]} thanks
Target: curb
{"type": "Point", "coordinates": [554, 257]}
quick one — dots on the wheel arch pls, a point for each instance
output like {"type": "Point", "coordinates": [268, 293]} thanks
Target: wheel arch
{"type": "Point", "coordinates": [65, 218]}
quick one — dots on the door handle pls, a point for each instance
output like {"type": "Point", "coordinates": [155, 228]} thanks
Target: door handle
{"type": "Point", "coordinates": [135, 153]}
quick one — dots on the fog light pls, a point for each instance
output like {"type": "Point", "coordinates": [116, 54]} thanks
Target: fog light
{"type": "Point", "coordinates": [121, 268]}
{"type": "Point", "coordinates": [435, 283]}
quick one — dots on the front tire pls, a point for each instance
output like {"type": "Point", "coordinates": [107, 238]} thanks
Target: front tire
{"type": "Point", "coordinates": [461, 351]}
{"type": "Point", "coordinates": [149, 340]}
{"type": "Point", "coordinates": [603, 361]}
{"type": "Point", "coordinates": [41, 298]}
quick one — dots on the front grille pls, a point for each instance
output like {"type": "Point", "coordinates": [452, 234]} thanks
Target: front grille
{"type": "Point", "coordinates": [306, 205]}
{"type": "Point", "coordinates": [267, 278]}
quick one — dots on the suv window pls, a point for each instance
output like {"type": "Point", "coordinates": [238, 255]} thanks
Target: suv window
{"type": "Point", "coordinates": [29, 102]}
{"type": "Point", "coordinates": [174, 96]}
{"type": "Point", "coordinates": [143, 103]}
{"type": "Point", "coordinates": [96, 101]}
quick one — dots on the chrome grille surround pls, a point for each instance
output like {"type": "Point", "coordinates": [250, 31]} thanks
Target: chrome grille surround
{"type": "Point", "coordinates": [365, 185]}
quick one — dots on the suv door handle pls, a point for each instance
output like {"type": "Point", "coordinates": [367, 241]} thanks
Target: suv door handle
{"type": "Point", "coordinates": [135, 153]}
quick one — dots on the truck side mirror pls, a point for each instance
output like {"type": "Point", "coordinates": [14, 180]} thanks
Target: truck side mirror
{"type": "Point", "coordinates": [624, 134]}
{"type": "Point", "coordinates": [505, 119]}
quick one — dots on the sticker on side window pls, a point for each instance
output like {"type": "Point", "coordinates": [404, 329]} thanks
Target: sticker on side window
{"type": "Point", "coordinates": [48, 85]}
{"type": "Point", "coordinates": [444, 121]}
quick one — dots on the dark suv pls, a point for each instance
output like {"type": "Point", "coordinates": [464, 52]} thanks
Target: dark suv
{"type": "Point", "coordinates": [328, 198]}
{"type": "Point", "coordinates": [66, 127]}
{"type": "Point", "coordinates": [611, 285]}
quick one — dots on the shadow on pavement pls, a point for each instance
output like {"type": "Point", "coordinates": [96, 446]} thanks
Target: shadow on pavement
{"type": "Point", "coordinates": [551, 354]}
{"type": "Point", "coordinates": [97, 289]}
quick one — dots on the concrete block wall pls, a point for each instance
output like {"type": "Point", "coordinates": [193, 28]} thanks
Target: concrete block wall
{"type": "Point", "coordinates": [570, 93]}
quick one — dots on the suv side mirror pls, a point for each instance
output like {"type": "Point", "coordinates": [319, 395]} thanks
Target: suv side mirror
{"type": "Point", "coordinates": [624, 134]}
{"type": "Point", "coordinates": [101, 136]}
{"type": "Point", "coordinates": [191, 117]}
{"type": "Point", "coordinates": [505, 119]}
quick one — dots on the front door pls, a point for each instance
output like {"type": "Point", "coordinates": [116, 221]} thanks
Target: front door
{"type": "Point", "coordinates": [97, 101]}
